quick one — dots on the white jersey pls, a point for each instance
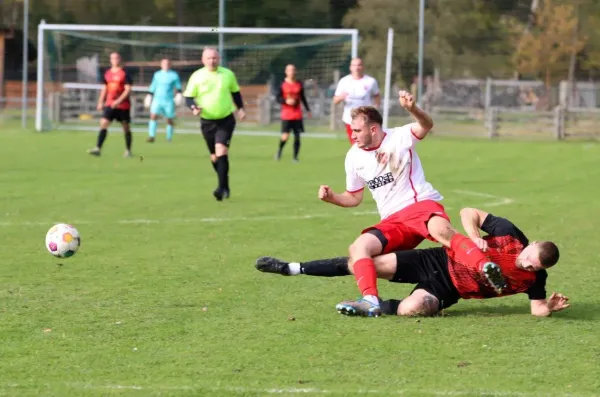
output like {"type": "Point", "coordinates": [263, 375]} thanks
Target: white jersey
{"type": "Point", "coordinates": [396, 184]}
{"type": "Point", "coordinates": [360, 92]}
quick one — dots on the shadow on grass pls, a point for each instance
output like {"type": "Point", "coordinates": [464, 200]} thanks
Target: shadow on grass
{"type": "Point", "coordinates": [585, 311]}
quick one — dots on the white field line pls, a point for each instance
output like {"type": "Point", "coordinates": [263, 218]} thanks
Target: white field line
{"type": "Point", "coordinates": [494, 202]}
{"type": "Point", "coordinates": [305, 391]}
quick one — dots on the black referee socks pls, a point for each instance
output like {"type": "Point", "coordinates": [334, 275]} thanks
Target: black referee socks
{"type": "Point", "coordinates": [223, 172]}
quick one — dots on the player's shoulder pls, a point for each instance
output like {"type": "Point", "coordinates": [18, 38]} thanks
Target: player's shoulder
{"type": "Point", "coordinates": [345, 79]}
{"type": "Point", "coordinates": [400, 130]}
{"type": "Point", "coordinates": [225, 70]}
{"type": "Point", "coordinates": [369, 78]}
{"type": "Point", "coordinates": [353, 154]}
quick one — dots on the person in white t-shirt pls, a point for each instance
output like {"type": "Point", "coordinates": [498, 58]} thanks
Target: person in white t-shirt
{"type": "Point", "coordinates": [386, 162]}
{"type": "Point", "coordinates": [356, 89]}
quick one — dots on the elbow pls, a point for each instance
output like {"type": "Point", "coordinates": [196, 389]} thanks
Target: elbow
{"type": "Point", "coordinates": [541, 313]}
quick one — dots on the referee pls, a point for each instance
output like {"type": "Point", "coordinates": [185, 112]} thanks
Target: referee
{"type": "Point", "coordinates": [211, 93]}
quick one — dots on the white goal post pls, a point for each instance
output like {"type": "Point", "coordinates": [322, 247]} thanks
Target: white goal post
{"type": "Point", "coordinates": [44, 27]}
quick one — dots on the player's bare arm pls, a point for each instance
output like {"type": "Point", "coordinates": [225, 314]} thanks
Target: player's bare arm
{"type": "Point", "coordinates": [472, 219]}
{"type": "Point", "coordinates": [545, 307]}
{"type": "Point", "coordinates": [123, 96]}
{"type": "Point", "coordinates": [346, 199]}
{"type": "Point", "coordinates": [340, 98]}
{"type": "Point", "coordinates": [424, 123]}
{"type": "Point", "coordinates": [377, 100]}
{"type": "Point", "coordinates": [101, 98]}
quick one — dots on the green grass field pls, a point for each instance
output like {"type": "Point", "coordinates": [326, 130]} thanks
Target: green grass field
{"type": "Point", "coordinates": [163, 298]}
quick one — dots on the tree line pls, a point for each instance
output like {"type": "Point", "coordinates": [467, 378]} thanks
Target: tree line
{"type": "Point", "coordinates": [550, 40]}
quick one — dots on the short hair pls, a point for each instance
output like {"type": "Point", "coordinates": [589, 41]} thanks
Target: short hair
{"type": "Point", "coordinates": [368, 113]}
{"type": "Point", "coordinates": [549, 253]}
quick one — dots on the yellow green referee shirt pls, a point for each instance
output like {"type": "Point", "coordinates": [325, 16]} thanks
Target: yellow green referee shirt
{"type": "Point", "coordinates": [212, 92]}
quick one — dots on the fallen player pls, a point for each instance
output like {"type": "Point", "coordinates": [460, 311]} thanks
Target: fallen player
{"type": "Point", "coordinates": [442, 279]}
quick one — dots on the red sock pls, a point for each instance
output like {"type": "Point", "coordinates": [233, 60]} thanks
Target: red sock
{"type": "Point", "coordinates": [349, 133]}
{"type": "Point", "coordinates": [366, 276]}
{"type": "Point", "coordinates": [465, 251]}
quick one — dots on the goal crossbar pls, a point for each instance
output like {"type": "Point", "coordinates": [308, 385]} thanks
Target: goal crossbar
{"type": "Point", "coordinates": [43, 27]}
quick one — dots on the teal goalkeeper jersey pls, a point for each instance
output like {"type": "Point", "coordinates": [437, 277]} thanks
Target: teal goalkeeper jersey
{"type": "Point", "coordinates": [164, 84]}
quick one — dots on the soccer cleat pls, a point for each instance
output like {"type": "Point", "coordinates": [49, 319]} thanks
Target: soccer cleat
{"type": "Point", "coordinates": [495, 277]}
{"type": "Point", "coordinates": [277, 156]}
{"type": "Point", "coordinates": [218, 193]}
{"type": "Point", "coordinates": [267, 264]}
{"type": "Point", "coordinates": [94, 152]}
{"type": "Point", "coordinates": [361, 308]}
{"type": "Point", "coordinates": [226, 193]}
{"type": "Point", "coordinates": [150, 139]}
{"type": "Point", "coordinates": [296, 160]}
{"type": "Point", "coordinates": [127, 154]}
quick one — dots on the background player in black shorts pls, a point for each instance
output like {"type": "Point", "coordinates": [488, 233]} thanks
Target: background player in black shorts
{"type": "Point", "coordinates": [290, 94]}
{"type": "Point", "coordinates": [115, 104]}
{"type": "Point", "coordinates": [441, 281]}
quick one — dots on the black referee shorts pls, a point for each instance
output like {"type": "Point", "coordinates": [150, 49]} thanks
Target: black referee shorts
{"type": "Point", "coordinates": [428, 268]}
{"type": "Point", "coordinates": [217, 131]}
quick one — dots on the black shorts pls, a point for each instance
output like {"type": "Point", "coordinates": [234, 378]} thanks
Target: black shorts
{"type": "Point", "coordinates": [296, 126]}
{"type": "Point", "coordinates": [121, 115]}
{"type": "Point", "coordinates": [428, 268]}
{"type": "Point", "coordinates": [217, 131]}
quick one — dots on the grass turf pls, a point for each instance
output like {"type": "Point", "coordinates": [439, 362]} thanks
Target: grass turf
{"type": "Point", "coordinates": [163, 297]}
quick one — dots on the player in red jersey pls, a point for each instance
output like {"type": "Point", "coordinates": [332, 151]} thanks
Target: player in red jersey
{"type": "Point", "coordinates": [290, 94]}
{"type": "Point", "coordinates": [442, 279]}
{"type": "Point", "coordinates": [114, 103]}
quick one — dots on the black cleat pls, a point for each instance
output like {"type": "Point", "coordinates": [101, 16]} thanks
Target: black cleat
{"type": "Point", "coordinates": [267, 264]}
{"type": "Point", "coordinates": [218, 194]}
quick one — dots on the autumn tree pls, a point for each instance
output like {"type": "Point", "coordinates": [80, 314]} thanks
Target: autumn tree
{"type": "Point", "coordinates": [544, 50]}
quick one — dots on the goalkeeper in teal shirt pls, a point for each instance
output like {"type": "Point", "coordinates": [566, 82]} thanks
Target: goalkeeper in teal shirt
{"type": "Point", "coordinates": [164, 96]}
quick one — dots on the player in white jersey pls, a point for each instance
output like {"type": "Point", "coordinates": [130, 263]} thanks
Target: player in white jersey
{"type": "Point", "coordinates": [386, 162]}
{"type": "Point", "coordinates": [356, 89]}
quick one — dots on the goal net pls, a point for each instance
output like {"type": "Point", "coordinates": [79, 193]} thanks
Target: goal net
{"type": "Point", "coordinates": [73, 58]}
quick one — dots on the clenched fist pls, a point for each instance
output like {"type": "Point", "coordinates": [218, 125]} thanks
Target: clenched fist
{"type": "Point", "coordinates": [325, 193]}
{"type": "Point", "coordinates": [406, 100]}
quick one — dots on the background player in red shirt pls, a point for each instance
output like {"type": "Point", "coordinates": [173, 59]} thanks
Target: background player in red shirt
{"type": "Point", "coordinates": [114, 103]}
{"type": "Point", "coordinates": [441, 280]}
{"type": "Point", "coordinates": [290, 94]}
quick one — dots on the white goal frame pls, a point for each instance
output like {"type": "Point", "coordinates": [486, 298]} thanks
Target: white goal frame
{"type": "Point", "coordinates": [43, 27]}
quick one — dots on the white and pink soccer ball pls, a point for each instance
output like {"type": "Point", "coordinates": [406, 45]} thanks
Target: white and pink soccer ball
{"type": "Point", "coordinates": [63, 240]}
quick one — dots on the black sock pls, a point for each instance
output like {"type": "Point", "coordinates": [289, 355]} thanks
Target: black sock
{"type": "Point", "coordinates": [214, 165]}
{"type": "Point", "coordinates": [128, 139]}
{"type": "Point", "coordinates": [223, 172]}
{"type": "Point", "coordinates": [331, 267]}
{"type": "Point", "coordinates": [296, 145]}
{"type": "Point", "coordinates": [281, 145]}
{"type": "Point", "coordinates": [390, 307]}
{"type": "Point", "coordinates": [101, 138]}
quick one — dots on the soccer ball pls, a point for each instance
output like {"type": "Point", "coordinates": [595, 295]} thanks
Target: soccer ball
{"type": "Point", "coordinates": [63, 240]}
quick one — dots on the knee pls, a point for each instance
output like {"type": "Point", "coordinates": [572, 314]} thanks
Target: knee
{"type": "Point", "coordinates": [221, 150]}
{"type": "Point", "coordinates": [284, 137]}
{"type": "Point", "coordinates": [170, 122]}
{"type": "Point", "coordinates": [153, 117]}
{"type": "Point", "coordinates": [213, 158]}
{"type": "Point", "coordinates": [425, 306]}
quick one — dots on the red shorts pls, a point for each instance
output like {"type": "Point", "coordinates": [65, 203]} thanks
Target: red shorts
{"type": "Point", "coordinates": [349, 133]}
{"type": "Point", "coordinates": [407, 228]}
